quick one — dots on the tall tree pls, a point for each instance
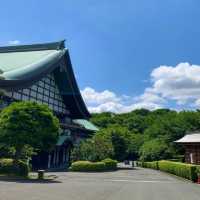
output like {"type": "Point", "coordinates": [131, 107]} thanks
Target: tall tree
{"type": "Point", "coordinates": [28, 125]}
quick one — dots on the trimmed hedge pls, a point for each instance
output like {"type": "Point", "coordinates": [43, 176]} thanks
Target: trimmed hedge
{"type": "Point", "coordinates": [9, 166]}
{"type": "Point", "coordinates": [110, 164]}
{"type": "Point", "coordinates": [184, 170]}
{"type": "Point", "coordinates": [152, 165]}
{"type": "Point", "coordinates": [187, 171]}
{"type": "Point", "coordinates": [87, 166]}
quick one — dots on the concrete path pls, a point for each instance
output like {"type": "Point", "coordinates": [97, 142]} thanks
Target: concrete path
{"type": "Point", "coordinates": [137, 184]}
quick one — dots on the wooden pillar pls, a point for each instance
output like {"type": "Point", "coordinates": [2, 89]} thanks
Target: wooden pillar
{"type": "Point", "coordinates": [54, 157]}
{"type": "Point", "coordinates": [192, 158]}
{"type": "Point", "coordinates": [57, 157]}
{"type": "Point", "coordinates": [64, 152]}
{"type": "Point", "coordinates": [49, 161]}
{"type": "Point", "coordinates": [68, 155]}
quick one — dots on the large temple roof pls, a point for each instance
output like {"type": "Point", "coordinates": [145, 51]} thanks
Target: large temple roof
{"type": "Point", "coordinates": [21, 66]}
{"type": "Point", "coordinates": [15, 65]}
{"type": "Point", "coordinates": [27, 62]}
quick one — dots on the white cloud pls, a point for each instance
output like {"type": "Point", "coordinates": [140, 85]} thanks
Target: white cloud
{"type": "Point", "coordinates": [150, 96]}
{"type": "Point", "coordinates": [110, 106]}
{"type": "Point", "coordinates": [93, 97]}
{"type": "Point", "coordinates": [179, 84]}
{"type": "Point", "coordinates": [197, 102]}
{"type": "Point", "coordinates": [107, 101]}
{"type": "Point", "coordinates": [14, 42]}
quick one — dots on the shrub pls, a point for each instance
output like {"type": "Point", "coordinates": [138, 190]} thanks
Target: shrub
{"type": "Point", "coordinates": [22, 168]}
{"type": "Point", "coordinates": [139, 163]}
{"type": "Point", "coordinates": [187, 171]}
{"type": "Point", "coordinates": [184, 170]}
{"type": "Point", "coordinates": [87, 166]}
{"type": "Point", "coordinates": [6, 166]}
{"type": "Point", "coordinates": [110, 164]}
{"type": "Point", "coordinates": [9, 166]}
{"type": "Point", "coordinates": [198, 170]}
{"type": "Point", "coordinates": [152, 165]}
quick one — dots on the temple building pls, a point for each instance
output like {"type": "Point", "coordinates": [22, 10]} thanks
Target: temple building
{"type": "Point", "coordinates": [43, 73]}
{"type": "Point", "coordinates": [191, 143]}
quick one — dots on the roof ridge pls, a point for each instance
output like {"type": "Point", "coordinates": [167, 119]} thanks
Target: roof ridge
{"type": "Point", "coordinates": [34, 47]}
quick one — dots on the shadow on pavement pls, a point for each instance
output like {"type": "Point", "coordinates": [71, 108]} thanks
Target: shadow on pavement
{"type": "Point", "coordinates": [127, 168]}
{"type": "Point", "coordinates": [24, 180]}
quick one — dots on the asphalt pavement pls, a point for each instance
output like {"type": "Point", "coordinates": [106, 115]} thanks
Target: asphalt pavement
{"type": "Point", "coordinates": [124, 184]}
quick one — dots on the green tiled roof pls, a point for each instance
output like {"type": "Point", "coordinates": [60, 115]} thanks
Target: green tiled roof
{"type": "Point", "coordinates": [23, 65]}
{"type": "Point", "coordinates": [26, 62]}
{"type": "Point", "coordinates": [86, 124]}
{"type": "Point", "coordinates": [62, 139]}
{"type": "Point", "coordinates": [17, 65]}
{"type": "Point", "coordinates": [15, 60]}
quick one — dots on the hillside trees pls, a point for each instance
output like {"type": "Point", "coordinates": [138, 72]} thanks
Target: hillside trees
{"type": "Point", "coordinates": [140, 133]}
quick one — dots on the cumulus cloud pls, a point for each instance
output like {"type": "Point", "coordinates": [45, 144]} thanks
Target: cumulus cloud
{"type": "Point", "coordinates": [107, 101]}
{"type": "Point", "coordinates": [14, 42]}
{"type": "Point", "coordinates": [93, 97]}
{"type": "Point", "coordinates": [179, 84]}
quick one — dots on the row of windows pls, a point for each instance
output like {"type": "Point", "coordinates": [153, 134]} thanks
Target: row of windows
{"type": "Point", "coordinates": [65, 120]}
{"type": "Point", "coordinates": [35, 93]}
{"type": "Point", "coordinates": [46, 86]}
{"type": "Point", "coordinates": [44, 91]}
{"type": "Point", "coordinates": [53, 104]}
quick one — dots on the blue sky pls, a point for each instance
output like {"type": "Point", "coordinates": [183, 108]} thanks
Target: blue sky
{"type": "Point", "coordinates": [117, 47]}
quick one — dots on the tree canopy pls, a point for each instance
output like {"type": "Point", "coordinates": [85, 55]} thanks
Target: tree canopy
{"type": "Point", "coordinates": [95, 149]}
{"type": "Point", "coordinates": [28, 124]}
{"type": "Point", "coordinates": [145, 134]}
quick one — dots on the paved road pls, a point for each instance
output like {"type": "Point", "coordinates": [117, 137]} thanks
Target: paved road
{"type": "Point", "coordinates": [138, 184]}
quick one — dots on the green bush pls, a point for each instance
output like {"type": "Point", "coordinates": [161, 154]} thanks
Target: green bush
{"type": "Point", "coordinates": [87, 166]}
{"type": "Point", "coordinates": [187, 171]}
{"type": "Point", "coordinates": [139, 164]}
{"type": "Point", "coordinates": [8, 166]}
{"type": "Point", "coordinates": [22, 168]}
{"type": "Point", "coordinates": [152, 165]}
{"type": "Point", "coordinates": [110, 164]}
{"type": "Point", "coordinates": [198, 170]}
{"type": "Point", "coordinates": [184, 170]}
